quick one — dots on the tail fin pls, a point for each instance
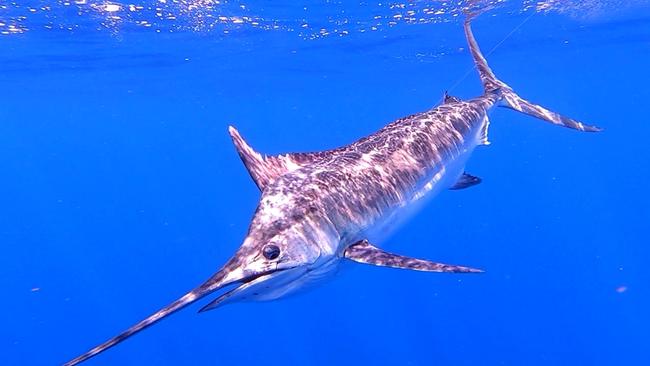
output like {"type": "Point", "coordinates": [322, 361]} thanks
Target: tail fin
{"type": "Point", "coordinates": [510, 99]}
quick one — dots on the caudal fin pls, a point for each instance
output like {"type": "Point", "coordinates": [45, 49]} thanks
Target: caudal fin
{"type": "Point", "coordinates": [510, 99]}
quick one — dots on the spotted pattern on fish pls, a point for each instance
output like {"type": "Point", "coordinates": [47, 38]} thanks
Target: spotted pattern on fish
{"type": "Point", "coordinates": [383, 170]}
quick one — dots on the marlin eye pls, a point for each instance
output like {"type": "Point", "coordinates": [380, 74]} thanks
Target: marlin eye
{"type": "Point", "coordinates": [271, 251]}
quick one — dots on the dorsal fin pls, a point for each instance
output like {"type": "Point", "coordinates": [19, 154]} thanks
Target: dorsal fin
{"type": "Point", "coordinates": [449, 99]}
{"type": "Point", "coordinates": [264, 169]}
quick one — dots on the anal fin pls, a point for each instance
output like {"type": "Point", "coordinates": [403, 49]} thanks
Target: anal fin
{"type": "Point", "coordinates": [364, 252]}
{"type": "Point", "coordinates": [466, 181]}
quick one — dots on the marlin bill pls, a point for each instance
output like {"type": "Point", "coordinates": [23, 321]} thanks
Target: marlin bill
{"type": "Point", "coordinates": [319, 209]}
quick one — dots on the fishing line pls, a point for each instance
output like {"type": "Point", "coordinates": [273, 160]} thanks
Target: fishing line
{"type": "Point", "coordinates": [471, 69]}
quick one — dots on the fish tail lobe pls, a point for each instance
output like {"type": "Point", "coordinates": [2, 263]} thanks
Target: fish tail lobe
{"type": "Point", "coordinates": [508, 97]}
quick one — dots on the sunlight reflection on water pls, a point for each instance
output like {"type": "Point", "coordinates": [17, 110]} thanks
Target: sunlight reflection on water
{"type": "Point", "coordinates": [318, 18]}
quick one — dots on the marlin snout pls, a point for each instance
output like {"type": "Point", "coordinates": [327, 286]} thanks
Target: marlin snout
{"type": "Point", "coordinates": [233, 272]}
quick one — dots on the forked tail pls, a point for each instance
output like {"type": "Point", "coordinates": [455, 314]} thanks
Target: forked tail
{"type": "Point", "coordinates": [510, 99]}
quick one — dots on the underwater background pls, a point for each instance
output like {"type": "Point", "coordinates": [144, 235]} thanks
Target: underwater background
{"type": "Point", "coordinates": [120, 189]}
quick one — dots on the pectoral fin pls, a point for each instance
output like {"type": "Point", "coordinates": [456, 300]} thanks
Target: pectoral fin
{"type": "Point", "coordinates": [466, 181]}
{"type": "Point", "coordinates": [364, 252]}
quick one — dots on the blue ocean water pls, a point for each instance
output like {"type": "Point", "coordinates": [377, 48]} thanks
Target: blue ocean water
{"type": "Point", "coordinates": [121, 189]}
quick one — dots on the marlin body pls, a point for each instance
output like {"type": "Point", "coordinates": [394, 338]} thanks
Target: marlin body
{"type": "Point", "coordinates": [320, 208]}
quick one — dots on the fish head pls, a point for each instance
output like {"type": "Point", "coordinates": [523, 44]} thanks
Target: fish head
{"type": "Point", "coordinates": [273, 263]}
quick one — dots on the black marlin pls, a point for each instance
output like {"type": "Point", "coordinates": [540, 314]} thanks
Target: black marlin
{"type": "Point", "coordinates": [319, 208]}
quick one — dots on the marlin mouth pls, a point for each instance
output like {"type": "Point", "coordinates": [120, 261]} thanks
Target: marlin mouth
{"type": "Point", "coordinates": [258, 275]}
{"type": "Point", "coordinates": [245, 284]}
